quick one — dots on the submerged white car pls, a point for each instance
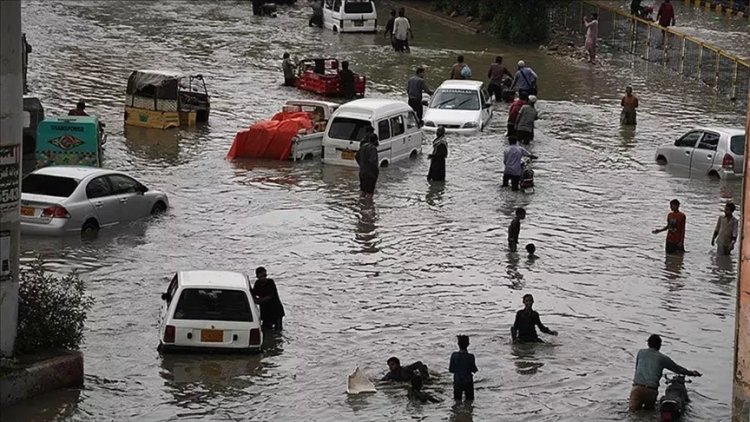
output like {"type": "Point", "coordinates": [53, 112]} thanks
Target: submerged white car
{"type": "Point", "coordinates": [706, 151]}
{"type": "Point", "coordinates": [209, 311]}
{"type": "Point", "coordinates": [462, 106]}
{"type": "Point", "coordinates": [57, 200]}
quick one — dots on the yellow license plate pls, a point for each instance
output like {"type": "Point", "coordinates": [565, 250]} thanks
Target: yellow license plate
{"type": "Point", "coordinates": [212, 336]}
{"type": "Point", "coordinates": [27, 211]}
{"type": "Point", "coordinates": [347, 155]}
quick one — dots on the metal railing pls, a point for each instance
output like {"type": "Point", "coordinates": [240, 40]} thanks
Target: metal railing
{"type": "Point", "coordinates": [672, 49]}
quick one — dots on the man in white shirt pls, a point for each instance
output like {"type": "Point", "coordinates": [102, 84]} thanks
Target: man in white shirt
{"type": "Point", "coordinates": [725, 231]}
{"type": "Point", "coordinates": [401, 30]}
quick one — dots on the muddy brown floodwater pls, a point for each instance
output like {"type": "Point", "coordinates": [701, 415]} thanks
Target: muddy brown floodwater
{"type": "Point", "coordinates": [401, 277]}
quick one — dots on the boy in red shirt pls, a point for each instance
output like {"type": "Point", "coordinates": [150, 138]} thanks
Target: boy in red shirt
{"type": "Point", "coordinates": [675, 229]}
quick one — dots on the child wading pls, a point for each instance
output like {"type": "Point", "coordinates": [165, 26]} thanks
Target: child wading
{"type": "Point", "coordinates": [462, 367]}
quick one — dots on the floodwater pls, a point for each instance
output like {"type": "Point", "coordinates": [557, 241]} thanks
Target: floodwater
{"type": "Point", "coordinates": [404, 275]}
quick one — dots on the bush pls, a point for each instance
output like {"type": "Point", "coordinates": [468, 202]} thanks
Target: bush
{"type": "Point", "coordinates": [51, 310]}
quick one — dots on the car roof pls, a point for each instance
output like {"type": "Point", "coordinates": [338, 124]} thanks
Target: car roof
{"type": "Point", "coordinates": [75, 172]}
{"type": "Point", "coordinates": [731, 131]}
{"type": "Point", "coordinates": [460, 84]}
{"type": "Point", "coordinates": [214, 279]}
{"type": "Point", "coordinates": [374, 108]}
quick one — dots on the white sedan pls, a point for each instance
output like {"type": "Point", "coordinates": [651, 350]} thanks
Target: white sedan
{"type": "Point", "coordinates": [58, 200]}
{"type": "Point", "coordinates": [461, 106]}
{"type": "Point", "coordinates": [209, 311]}
{"type": "Point", "coordinates": [706, 151]}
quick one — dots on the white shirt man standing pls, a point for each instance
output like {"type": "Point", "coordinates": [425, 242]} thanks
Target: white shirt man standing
{"type": "Point", "coordinates": [401, 31]}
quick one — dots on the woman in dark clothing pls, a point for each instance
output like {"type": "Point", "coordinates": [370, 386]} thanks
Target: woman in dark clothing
{"type": "Point", "coordinates": [266, 295]}
{"type": "Point", "coordinates": [369, 163]}
{"type": "Point", "coordinates": [437, 158]}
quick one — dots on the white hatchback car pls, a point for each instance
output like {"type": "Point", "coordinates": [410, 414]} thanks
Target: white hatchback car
{"type": "Point", "coordinates": [69, 199]}
{"type": "Point", "coordinates": [209, 311]}
{"type": "Point", "coordinates": [706, 151]}
{"type": "Point", "coordinates": [462, 106]}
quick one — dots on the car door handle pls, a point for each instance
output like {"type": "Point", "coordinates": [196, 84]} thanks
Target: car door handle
{"type": "Point", "coordinates": [709, 156]}
{"type": "Point", "coordinates": [123, 200]}
{"type": "Point", "coordinates": [98, 204]}
{"type": "Point", "coordinates": [687, 152]}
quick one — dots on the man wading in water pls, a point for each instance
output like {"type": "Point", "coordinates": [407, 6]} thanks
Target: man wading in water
{"type": "Point", "coordinates": [725, 231]}
{"type": "Point", "coordinates": [369, 164]}
{"type": "Point", "coordinates": [629, 103]}
{"type": "Point", "coordinates": [527, 319]}
{"type": "Point", "coordinates": [675, 229]}
{"type": "Point", "coordinates": [437, 158]}
{"type": "Point", "coordinates": [265, 293]}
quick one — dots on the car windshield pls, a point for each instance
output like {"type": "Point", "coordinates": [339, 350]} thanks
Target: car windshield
{"type": "Point", "coordinates": [213, 305]}
{"type": "Point", "coordinates": [347, 129]}
{"type": "Point", "coordinates": [43, 184]}
{"type": "Point", "coordinates": [737, 144]}
{"type": "Point", "coordinates": [358, 6]}
{"type": "Point", "coordinates": [455, 99]}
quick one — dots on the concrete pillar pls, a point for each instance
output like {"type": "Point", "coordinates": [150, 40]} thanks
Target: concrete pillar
{"type": "Point", "coordinates": [11, 127]}
{"type": "Point", "coordinates": [741, 401]}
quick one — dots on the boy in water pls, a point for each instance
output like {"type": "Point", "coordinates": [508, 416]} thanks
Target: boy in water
{"type": "Point", "coordinates": [531, 249]}
{"type": "Point", "coordinates": [527, 319]}
{"type": "Point", "coordinates": [675, 229]}
{"type": "Point", "coordinates": [463, 366]}
{"type": "Point", "coordinates": [515, 229]}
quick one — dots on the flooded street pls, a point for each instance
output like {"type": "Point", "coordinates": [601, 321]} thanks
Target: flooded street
{"type": "Point", "coordinates": [402, 277]}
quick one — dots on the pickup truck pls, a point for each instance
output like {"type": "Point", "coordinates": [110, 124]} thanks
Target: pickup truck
{"type": "Point", "coordinates": [307, 146]}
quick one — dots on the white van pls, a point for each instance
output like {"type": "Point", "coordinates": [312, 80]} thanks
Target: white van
{"type": "Point", "coordinates": [395, 124]}
{"type": "Point", "coordinates": [350, 15]}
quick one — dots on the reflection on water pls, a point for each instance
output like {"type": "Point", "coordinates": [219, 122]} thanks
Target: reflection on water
{"type": "Point", "coordinates": [400, 275]}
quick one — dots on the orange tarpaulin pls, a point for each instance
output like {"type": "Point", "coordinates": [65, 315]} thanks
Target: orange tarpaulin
{"type": "Point", "coordinates": [270, 138]}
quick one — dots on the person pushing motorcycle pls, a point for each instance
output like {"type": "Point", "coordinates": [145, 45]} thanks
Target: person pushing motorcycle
{"type": "Point", "coordinates": [649, 365]}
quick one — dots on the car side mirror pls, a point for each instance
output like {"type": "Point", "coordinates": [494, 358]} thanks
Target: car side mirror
{"type": "Point", "coordinates": [165, 296]}
{"type": "Point", "coordinates": [142, 189]}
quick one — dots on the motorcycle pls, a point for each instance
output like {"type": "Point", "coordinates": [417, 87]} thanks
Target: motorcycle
{"type": "Point", "coordinates": [673, 403]}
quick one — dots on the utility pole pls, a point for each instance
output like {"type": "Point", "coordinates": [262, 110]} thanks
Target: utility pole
{"type": "Point", "coordinates": [741, 402]}
{"type": "Point", "coordinates": [11, 127]}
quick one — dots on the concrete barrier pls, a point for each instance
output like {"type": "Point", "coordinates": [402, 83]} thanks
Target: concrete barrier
{"type": "Point", "coordinates": [31, 379]}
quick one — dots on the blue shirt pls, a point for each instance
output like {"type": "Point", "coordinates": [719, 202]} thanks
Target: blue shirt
{"type": "Point", "coordinates": [512, 159]}
{"type": "Point", "coordinates": [525, 79]}
{"type": "Point", "coordinates": [649, 365]}
{"type": "Point", "coordinates": [462, 366]}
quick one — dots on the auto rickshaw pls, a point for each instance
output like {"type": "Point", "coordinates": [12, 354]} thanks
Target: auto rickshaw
{"type": "Point", "coordinates": [69, 140]}
{"type": "Point", "coordinates": [163, 100]}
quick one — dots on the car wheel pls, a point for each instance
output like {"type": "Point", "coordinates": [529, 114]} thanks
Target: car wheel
{"type": "Point", "coordinates": [90, 229]}
{"type": "Point", "coordinates": [413, 155]}
{"type": "Point", "coordinates": [661, 160]}
{"type": "Point", "coordinates": [713, 174]}
{"type": "Point", "coordinates": [384, 164]}
{"type": "Point", "coordinates": [158, 208]}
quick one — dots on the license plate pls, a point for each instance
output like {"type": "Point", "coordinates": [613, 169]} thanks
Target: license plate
{"type": "Point", "coordinates": [27, 211]}
{"type": "Point", "coordinates": [212, 336]}
{"type": "Point", "coordinates": [359, 23]}
{"type": "Point", "coordinates": [347, 155]}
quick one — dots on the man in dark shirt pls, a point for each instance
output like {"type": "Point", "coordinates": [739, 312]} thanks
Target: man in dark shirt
{"type": "Point", "coordinates": [389, 28]}
{"type": "Point", "coordinates": [399, 373]}
{"type": "Point", "coordinates": [346, 77]}
{"type": "Point", "coordinates": [514, 229]}
{"type": "Point", "coordinates": [79, 110]}
{"type": "Point", "coordinates": [527, 319]}
{"type": "Point", "coordinates": [415, 86]}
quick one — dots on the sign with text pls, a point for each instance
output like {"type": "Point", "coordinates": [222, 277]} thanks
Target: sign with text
{"type": "Point", "coordinates": [10, 178]}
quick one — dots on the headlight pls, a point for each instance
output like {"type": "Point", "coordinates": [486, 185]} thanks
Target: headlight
{"type": "Point", "coordinates": [430, 124]}
{"type": "Point", "coordinates": [469, 125]}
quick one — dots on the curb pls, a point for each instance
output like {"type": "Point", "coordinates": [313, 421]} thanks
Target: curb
{"type": "Point", "coordinates": [445, 20]}
{"type": "Point", "coordinates": [718, 7]}
{"type": "Point", "coordinates": [63, 370]}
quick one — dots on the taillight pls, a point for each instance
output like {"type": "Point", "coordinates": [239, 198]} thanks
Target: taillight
{"type": "Point", "coordinates": [55, 212]}
{"type": "Point", "coordinates": [255, 336]}
{"type": "Point", "coordinates": [169, 334]}
{"type": "Point", "coordinates": [728, 161]}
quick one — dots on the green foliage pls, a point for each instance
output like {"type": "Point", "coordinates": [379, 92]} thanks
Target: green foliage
{"type": "Point", "coordinates": [520, 21]}
{"type": "Point", "coordinates": [52, 310]}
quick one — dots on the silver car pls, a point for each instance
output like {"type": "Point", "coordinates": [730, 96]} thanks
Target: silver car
{"type": "Point", "coordinates": [706, 151]}
{"type": "Point", "coordinates": [68, 199]}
